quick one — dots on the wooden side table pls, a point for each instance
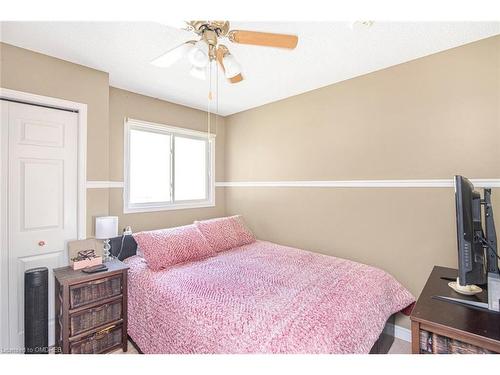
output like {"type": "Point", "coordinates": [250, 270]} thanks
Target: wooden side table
{"type": "Point", "coordinates": [91, 310]}
{"type": "Point", "coordinates": [442, 327]}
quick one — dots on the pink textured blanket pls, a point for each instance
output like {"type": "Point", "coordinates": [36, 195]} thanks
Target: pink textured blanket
{"type": "Point", "coordinates": [261, 298]}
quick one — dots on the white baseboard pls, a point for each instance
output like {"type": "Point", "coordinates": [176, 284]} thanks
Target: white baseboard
{"type": "Point", "coordinates": [402, 333]}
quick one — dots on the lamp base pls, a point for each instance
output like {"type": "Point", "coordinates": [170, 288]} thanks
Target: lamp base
{"type": "Point", "coordinates": [106, 254]}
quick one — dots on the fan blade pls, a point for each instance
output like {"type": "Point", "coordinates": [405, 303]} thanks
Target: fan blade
{"type": "Point", "coordinates": [220, 56]}
{"type": "Point", "coordinates": [236, 79]}
{"type": "Point", "coordinates": [263, 39]}
{"type": "Point", "coordinates": [173, 55]}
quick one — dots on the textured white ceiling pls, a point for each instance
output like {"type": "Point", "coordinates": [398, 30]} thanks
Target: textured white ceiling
{"type": "Point", "coordinates": [327, 52]}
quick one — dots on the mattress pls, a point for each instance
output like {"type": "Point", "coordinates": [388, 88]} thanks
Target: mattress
{"type": "Point", "coordinates": [261, 298]}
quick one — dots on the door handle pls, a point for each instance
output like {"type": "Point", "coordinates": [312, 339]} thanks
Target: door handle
{"type": "Point", "coordinates": [41, 243]}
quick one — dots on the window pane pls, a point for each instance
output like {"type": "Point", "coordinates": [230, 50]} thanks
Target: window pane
{"type": "Point", "coordinates": [190, 169]}
{"type": "Point", "coordinates": [149, 167]}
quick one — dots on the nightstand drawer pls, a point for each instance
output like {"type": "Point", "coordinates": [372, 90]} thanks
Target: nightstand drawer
{"type": "Point", "coordinates": [92, 291]}
{"type": "Point", "coordinates": [439, 326]}
{"type": "Point", "coordinates": [98, 342]}
{"type": "Point", "coordinates": [95, 317]}
{"type": "Point", "coordinates": [432, 343]}
{"type": "Point", "coordinates": [91, 309]}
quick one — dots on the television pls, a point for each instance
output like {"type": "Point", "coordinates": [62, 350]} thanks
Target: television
{"type": "Point", "coordinates": [476, 236]}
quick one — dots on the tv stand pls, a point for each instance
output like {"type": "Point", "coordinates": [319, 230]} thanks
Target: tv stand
{"type": "Point", "coordinates": [466, 303]}
{"type": "Point", "coordinates": [439, 326]}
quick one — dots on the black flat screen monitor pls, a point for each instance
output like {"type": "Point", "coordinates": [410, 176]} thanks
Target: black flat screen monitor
{"type": "Point", "coordinates": [472, 259]}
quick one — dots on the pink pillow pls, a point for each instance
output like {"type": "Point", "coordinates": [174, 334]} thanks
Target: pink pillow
{"type": "Point", "coordinates": [166, 247]}
{"type": "Point", "coordinates": [226, 232]}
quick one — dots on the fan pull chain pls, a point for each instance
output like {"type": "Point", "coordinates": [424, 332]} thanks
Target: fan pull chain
{"type": "Point", "coordinates": [216, 96]}
{"type": "Point", "coordinates": [209, 96]}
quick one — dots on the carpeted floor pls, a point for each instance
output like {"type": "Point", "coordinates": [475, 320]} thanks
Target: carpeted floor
{"type": "Point", "coordinates": [400, 347]}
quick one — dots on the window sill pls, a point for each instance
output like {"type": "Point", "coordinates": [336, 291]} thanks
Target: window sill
{"type": "Point", "coordinates": [173, 207]}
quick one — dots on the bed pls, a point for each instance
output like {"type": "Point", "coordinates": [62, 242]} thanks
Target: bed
{"type": "Point", "coordinates": [261, 298]}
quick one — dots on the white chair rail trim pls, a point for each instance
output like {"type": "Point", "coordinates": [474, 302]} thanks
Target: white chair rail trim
{"type": "Point", "coordinates": [434, 183]}
{"type": "Point", "coordinates": [104, 184]}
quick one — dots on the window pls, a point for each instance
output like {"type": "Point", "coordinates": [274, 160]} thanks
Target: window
{"type": "Point", "coordinates": [167, 168]}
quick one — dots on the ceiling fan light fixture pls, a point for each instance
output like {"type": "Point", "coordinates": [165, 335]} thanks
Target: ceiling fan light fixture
{"type": "Point", "coordinates": [198, 73]}
{"type": "Point", "coordinates": [231, 66]}
{"type": "Point", "coordinates": [173, 55]}
{"type": "Point", "coordinates": [208, 49]}
{"type": "Point", "coordinates": [198, 56]}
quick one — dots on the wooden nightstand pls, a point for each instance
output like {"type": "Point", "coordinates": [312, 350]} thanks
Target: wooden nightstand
{"type": "Point", "coordinates": [91, 310]}
{"type": "Point", "coordinates": [443, 327]}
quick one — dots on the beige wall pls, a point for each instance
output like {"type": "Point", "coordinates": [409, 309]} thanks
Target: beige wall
{"type": "Point", "coordinates": [429, 118]}
{"type": "Point", "coordinates": [32, 72]}
{"type": "Point", "coordinates": [28, 71]}
{"type": "Point", "coordinates": [40, 74]}
{"type": "Point", "coordinates": [124, 104]}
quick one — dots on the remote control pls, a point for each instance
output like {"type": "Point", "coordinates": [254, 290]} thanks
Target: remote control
{"type": "Point", "coordinates": [94, 269]}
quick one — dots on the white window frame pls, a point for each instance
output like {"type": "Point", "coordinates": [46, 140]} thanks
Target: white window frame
{"type": "Point", "coordinates": [131, 124]}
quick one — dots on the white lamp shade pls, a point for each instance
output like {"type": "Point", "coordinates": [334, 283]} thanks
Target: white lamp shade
{"type": "Point", "coordinates": [106, 227]}
{"type": "Point", "coordinates": [231, 66]}
{"type": "Point", "coordinates": [198, 56]}
{"type": "Point", "coordinates": [172, 56]}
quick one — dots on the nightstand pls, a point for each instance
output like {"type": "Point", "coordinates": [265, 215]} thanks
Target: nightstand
{"type": "Point", "coordinates": [91, 310]}
{"type": "Point", "coordinates": [443, 327]}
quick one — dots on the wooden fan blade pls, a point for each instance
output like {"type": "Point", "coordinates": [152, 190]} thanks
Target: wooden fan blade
{"type": "Point", "coordinates": [263, 39]}
{"type": "Point", "coordinates": [236, 79]}
{"type": "Point", "coordinates": [219, 55]}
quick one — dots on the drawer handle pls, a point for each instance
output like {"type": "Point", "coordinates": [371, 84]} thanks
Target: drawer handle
{"type": "Point", "coordinates": [41, 243]}
{"type": "Point", "coordinates": [103, 332]}
{"type": "Point", "coordinates": [106, 330]}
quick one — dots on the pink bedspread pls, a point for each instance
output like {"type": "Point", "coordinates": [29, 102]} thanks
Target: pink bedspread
{"type": "Point", "coordinates": [261, 298]}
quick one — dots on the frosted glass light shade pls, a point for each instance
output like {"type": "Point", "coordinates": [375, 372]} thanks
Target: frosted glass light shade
{"type": "Point", "coordinates": [231, 66]}
{"type": "Point", "coordinates": [172, 56]}
{"type": "Point", "coordinates": [106, 227]}
{"type": "Point", "coordinates": [198, 55]}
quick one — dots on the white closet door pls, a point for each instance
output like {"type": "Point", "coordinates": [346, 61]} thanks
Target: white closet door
{"type": "Point", "coordinates": [42, 200]}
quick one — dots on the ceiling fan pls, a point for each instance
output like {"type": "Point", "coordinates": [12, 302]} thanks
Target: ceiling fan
{"type": "Point", "coordinates": [208, 48]}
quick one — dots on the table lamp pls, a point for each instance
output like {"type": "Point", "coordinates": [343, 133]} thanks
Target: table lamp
{"type": "Point", "coordinates": [106, 227]}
